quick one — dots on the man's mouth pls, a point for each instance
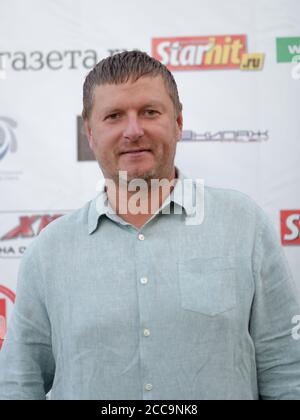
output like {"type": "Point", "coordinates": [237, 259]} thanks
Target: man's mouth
{"type": "Point", "coordinates": [136, 152]}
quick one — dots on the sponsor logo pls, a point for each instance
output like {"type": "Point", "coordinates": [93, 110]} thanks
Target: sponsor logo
{"type": "Point", "coordinates": [243, 136]}
{"type": "Point", "coordinates": [290, 227]}
{"type": "Point", "coordinates": [206, 53]}
{"type": "Point", "coordinates": [8, 140]}
{"type": "Point", "coordinates": [18, 230]}
{"type": "Point", "coordinates": [7, 299]}
{"type": "Point", "coordinates": [53, 60]}
{"type": "Point", "coordinates": [287, 49]}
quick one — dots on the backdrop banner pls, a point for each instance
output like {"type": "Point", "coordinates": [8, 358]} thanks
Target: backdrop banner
{"type": "Point", "coordinates": [237, 65]}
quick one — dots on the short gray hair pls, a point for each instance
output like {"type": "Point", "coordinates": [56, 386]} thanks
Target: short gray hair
{"type": "Point", "coordinates": [120, 68]}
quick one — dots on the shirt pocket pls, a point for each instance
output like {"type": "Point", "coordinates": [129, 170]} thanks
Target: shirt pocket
{"type": "Point", "coordinates": [208, 286]}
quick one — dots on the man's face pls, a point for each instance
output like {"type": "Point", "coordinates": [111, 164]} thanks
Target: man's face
{"type": "Point", "coordinates": [134, 128]}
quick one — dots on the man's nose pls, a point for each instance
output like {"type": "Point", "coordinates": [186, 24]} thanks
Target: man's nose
{"type": "Point", "coordinates": [133, 130]}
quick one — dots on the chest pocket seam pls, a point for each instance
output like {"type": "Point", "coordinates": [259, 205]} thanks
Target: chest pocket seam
{"type": "Point", "coordinates": [208, 286]}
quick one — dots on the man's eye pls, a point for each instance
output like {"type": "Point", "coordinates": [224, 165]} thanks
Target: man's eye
{"type": "Point", "coordinates": [112, 117]}
{"type": "Point", "coordinates": [151, 112]}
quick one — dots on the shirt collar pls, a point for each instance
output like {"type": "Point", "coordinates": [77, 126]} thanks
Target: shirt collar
{"type": "Point", "coordinates": [100, 205]}
{"type": "Point", "coordinates": [183, 193]}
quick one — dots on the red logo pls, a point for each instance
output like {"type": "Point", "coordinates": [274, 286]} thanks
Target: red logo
{"type": "Point", "coordinates": [8, 294]}
{"type": "Point", "coordinates": [206, 53]}
{"type": "Point", "coordinates": [29, 226]}
{"type": "Point", "coordinates": [290, 227]}
{"type": "Point", "coordinates": [17, 230]}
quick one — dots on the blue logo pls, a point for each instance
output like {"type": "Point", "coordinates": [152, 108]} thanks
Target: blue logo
{"type": "Point", "coordinates": [8, 140]}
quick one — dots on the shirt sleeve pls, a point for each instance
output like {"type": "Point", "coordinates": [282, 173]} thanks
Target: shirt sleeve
{"type": "Point", "coordinates": [275, 305]}
{"type": "Point", "coordinates": [26, 361]}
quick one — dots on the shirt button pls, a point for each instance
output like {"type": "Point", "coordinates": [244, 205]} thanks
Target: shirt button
{"type": "Point", "coordinates": [144, 280]}
{"type": "Point", "coordinates": [148, 387]}
{"type": "Point", "coordinates": [146, 333]}
{"type": "Point", "coordinates": [141, 237]}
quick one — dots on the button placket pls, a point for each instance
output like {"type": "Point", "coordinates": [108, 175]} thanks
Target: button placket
{"type": "Point", "coordinates": [143, 280]}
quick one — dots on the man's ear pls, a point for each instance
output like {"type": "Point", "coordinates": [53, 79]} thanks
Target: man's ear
{"type": "Point", "coordinates": [179, 126]}
{"type": "Point", "coordinates": [88, 133]}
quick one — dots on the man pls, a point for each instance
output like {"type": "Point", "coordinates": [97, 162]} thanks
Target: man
{"type": "Point", "coordinates": [164, 303]}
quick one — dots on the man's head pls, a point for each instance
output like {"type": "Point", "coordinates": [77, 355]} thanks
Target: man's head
{"type": "Point", "coordinates": [131, 103]}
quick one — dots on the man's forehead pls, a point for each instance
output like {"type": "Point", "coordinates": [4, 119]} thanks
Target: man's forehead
{"type": "Point", "coordinates": [131, 84]}
{"type": "Point", "coordinates": [146, 90]}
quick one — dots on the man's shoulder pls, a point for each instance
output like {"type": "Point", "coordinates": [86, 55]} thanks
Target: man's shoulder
{"type": "Point", "coordinates": [59, 236]}
{"type": "Point", "coordinates": [68, 222]}
{"type": "Point", "coordinates": [228, 194]}
{"type": "Point", "coordinates": [72, 224]}
{"type": "Point", "coordinates": [232, 202]}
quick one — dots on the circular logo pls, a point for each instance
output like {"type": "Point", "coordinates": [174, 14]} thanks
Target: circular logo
{"type": "Point", "coordinates": [8, 139]}
{"type": "Point", "coordinates": [8, 294]}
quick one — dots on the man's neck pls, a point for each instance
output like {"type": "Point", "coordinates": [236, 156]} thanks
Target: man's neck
{"type": "Point", "coordinates": [137, 207]}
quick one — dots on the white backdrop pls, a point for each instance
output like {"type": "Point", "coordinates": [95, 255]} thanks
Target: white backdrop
{"type": "Point", "coordinates": [46, 49]}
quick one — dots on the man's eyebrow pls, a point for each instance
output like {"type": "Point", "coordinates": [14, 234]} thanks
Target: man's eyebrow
{"type": "Point", "coordinates": [111, 109]}
{"type": "Point", "coordinates": [153, 104]}
{"type": "Point", "coordinates": [150, 104]}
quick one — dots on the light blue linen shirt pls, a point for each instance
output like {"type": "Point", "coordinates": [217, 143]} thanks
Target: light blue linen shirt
{"type": "Point", "coordinates": [170, 311]}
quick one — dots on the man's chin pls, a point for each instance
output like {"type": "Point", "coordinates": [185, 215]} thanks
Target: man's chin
{"type": "Point", "coordinates": [129, 175]}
